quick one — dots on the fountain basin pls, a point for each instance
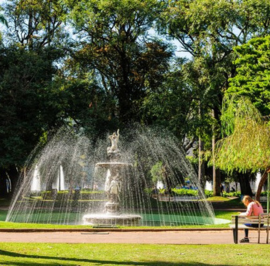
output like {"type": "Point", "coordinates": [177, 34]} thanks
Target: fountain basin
{"type": "Point", "coordinates": [112, 219]}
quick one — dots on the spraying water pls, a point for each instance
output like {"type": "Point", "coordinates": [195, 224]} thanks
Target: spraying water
{"type": "Point", "coordinates": [74, 172]}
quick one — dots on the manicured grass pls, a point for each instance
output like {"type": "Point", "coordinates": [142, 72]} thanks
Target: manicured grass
{"type": "Point", "coordinates": [225, 214]}
{"type": "Point", "coordinates": [132, 254]}
{"type": "Point", "coordinates": [218, 199]}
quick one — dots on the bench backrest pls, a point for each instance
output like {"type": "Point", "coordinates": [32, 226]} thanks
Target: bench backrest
{"type": "Point", "coordinates": [261, 219]}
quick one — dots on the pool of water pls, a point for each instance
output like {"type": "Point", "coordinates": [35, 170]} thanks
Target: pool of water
{"type": "Point", "coordinates": [148, 219]}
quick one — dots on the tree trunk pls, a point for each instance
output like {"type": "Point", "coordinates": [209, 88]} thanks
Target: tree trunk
{"type": "Point", "coordinates": [201, 166]}
{"type": "Point", "coordinates": [244, 185]}
{"type": "Point", "coordinates": [3, 187]}
{"type": "Point", "coordinates": [216, 181]}
{"type": "Point", "coordinates": [216, 172]}
{"type": "Point", "coordinates": [260, 186]}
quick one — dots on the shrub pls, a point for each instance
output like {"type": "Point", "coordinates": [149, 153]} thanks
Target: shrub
{"type": "Point", "coordinates": [232, 194]}
{"type": "Point", "coordinates": [185, 192]}
{"type": "Point", "coordinates": [208, 193]}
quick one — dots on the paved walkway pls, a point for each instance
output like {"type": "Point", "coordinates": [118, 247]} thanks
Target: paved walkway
{"type": "Point", "coordinates": [143, 237]}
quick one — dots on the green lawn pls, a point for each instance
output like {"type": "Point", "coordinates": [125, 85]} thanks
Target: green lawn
{"type": "Point", "coordinates": [36, 254]}
{"type": "Point", "coordinates": [132, 254]}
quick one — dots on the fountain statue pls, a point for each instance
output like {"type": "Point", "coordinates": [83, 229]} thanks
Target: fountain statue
{"type": "Point", "coordinates": [114, 143]}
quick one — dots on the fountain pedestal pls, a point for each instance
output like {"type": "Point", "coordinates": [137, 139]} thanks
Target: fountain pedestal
{"type": "Point", "coordinates": [112, 208]}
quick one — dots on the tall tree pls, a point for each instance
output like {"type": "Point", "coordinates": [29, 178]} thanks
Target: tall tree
{"type": "Point", "coordinates": [252, 81]}
{"type": "Point", "coordinates": [170, 105]}
{"type": "Point", "coordinates": [28, 105]}
{"type": "Point", "coordinates": [29, 54]}
{"type": "Point", "coordinates": [245, 145]}
{"type": "Point", "coordinates": [209, 30]}
{"type": "Point", "coordinates": [114, 45]}
{"type": "Point", "coordinates": [36, 24]}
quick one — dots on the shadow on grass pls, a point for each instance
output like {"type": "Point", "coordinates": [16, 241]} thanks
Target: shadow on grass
{"type": "Point", "coordinates": [74, 261]}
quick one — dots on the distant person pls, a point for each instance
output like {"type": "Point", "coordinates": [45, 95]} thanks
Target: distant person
{"type": "Point", "coordinates": [254, 208]}
{"type": "Point", "coordinates": [227, 189]}
{"type": "Point", "coordinates": [233, 189]}
{"type": "Point", "coordinates": [221, 188]}
{"type": "Point", "coordinates": [154, 191]}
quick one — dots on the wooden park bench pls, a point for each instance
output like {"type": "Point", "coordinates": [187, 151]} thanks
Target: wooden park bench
{"type": "Point", "coordinates": [238, 222]}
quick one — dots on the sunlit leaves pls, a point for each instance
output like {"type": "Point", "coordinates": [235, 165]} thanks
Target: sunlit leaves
{"type": "Point", "coordinates": [113, 43]}
{"type": "Point", "coordinates": [247, 147]}
{"type": "Point", "coordinates": [253, 73]}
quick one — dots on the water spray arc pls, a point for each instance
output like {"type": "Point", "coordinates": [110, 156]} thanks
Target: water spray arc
{"type": "Point", "coordinates": [75, 180]}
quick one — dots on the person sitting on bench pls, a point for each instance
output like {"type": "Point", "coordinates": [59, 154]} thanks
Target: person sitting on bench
{"type": "Point", "coordinates": [254, 208]}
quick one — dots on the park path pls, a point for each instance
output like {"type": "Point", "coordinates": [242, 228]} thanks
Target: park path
{"type": "Point", "coordinates": [140, 237]}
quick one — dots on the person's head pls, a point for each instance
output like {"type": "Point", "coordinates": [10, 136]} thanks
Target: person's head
{"type": "Point", "coordinates": [246, 200]}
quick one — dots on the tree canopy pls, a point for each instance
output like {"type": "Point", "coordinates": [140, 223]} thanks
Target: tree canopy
{"type": "Point", "coordinates": [246, 147]}
{"type": "Point", "coordinates": [253, 73]}
{"type": "Point", "coordinates": [100, 65]}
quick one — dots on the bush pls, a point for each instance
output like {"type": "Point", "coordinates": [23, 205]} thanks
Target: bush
{"type": "Point", "coordinates": [208, 193]}
{"type": "Point", "coordinates": [185, 192]}
{"type": "Point", "coordinates": [232, 194]}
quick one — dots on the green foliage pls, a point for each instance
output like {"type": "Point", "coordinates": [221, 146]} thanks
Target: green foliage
{"type": "Point", "coordinates": [29, 59]}
{"type": "Point", "coordinates": [113, 72]}
{"type": "Point", "coordinates": [247, 147]}
{"type": "Point", "coordinates": [235, 110]}
{"type": "Point", "coordinates": [29, 104]}
{"type": "Point", "coordinates": [36, 24]}
{"type": "Point", "coordinates": [170, 104]}
{"type": "Point", "coordinates": [253, 73]}
{"type": "Point", "coordinates": [231, 194]}
{"type": "Point", "coordinates": [185, 192]}
{"type": "Point", "coordinates": [84, 102]}
{"type": "Point", "coordinates": [115, 48]}
{"type": "Point", "coordinates": [208, 193]}
{"type": "Point", "coordinates": [156, 172]}
{"type": "Point", "coordinates": [209, 30]}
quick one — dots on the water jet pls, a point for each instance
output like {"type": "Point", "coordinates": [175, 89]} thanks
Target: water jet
{"type": "Point", "coordinates": [114, 185]}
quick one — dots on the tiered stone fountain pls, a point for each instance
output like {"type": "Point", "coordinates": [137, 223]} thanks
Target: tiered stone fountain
{"type": "Point", "coordinates": [113, 187]}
